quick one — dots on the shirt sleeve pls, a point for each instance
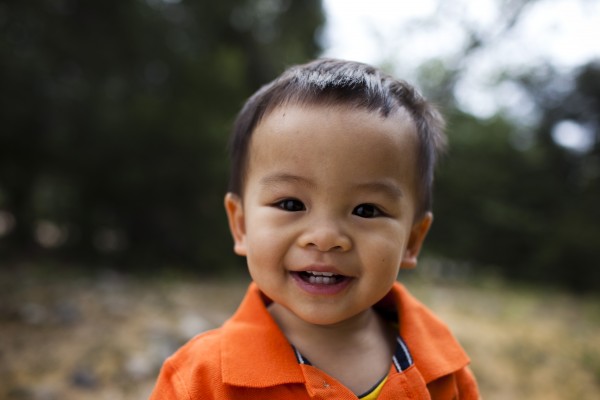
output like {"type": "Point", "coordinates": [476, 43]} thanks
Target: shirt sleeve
{"type": "Point", "coordinates": [169, 385]}
{"type": "Point", "coordinates": [460, 385]}
{"type": "Point", "coordinates": [467, 385]}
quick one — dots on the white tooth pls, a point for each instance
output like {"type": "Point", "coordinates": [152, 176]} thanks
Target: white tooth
{"type": "Point", "coordinates": [319, 280]}
{"type": "Point", "coordinates": [312, 279]}
{"type": "Point", "coordinates": [327, 280]}
{"type": "Point", "coordinates": [321, 273]}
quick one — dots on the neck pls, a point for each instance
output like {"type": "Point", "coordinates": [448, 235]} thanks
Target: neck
{"type": "Point", "coordinates": [355, 332]}
{"type": "Point", "coordinates": [343, 349]}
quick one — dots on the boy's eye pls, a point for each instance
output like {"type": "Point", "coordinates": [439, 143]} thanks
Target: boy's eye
{"type": "Point", "coordinates": [367, 211]}
{"type": "Point", "coordinates": [291, 205]}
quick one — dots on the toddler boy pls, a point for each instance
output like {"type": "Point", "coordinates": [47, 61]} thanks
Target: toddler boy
{"type": "Point", "coordinates": [330, 195]}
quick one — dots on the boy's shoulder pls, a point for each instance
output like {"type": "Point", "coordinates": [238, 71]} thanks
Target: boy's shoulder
{"type": "Point", "coordinates": [248, 351]}
{"type": "Point", "coordinates": [196, 364]}
{"type": "Point", "coordinates": [199, 348]}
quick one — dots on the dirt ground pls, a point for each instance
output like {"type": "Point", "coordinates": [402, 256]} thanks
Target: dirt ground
{"type": "Point", "coordinates": [74, 337]}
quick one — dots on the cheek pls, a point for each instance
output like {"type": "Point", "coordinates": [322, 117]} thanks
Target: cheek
{"type": "Point", "coordinates": [270, 225]}
{"type": "Point", "coordinates": [261, 234]}
{"type": "Point", "coordinates": [266, 243]}
{"type": "Point", "coordinates": [385, 256]}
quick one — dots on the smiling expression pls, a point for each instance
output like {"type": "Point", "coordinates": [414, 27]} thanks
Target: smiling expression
{"type": "Point", "coordinates": [327, 215]}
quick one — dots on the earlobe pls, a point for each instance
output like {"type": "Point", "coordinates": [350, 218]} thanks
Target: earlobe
{"type": "Point", "coordinates": [237, 225]}
{"type": "Point", "coordinates": [415, 241]}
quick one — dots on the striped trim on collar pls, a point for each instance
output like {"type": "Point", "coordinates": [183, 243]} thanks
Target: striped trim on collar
{"type": "Point", "coordinates": [300, 357]}
{"type": "Point", "coordinates": [401, 359]}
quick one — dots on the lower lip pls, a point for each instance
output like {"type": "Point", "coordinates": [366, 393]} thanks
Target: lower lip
{"type": "Point", "coordinates": [321, 289]}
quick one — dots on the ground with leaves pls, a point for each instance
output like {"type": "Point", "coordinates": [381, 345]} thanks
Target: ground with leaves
{"type": "Point", "coordinates": [75, 337]}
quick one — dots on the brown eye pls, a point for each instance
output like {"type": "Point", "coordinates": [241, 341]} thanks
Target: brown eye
{"type": "Point", "coordinates": [291, 205]}
{"type": "Point", "coordinates": [367, 211]}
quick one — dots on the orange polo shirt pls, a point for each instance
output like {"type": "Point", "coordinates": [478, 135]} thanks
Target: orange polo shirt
{"type": "Point", "coordinates": [249, 358]}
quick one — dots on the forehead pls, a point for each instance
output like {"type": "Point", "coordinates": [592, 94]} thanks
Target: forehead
{"type": "Point", "coordinates": [319, 139]}
{"type": "Point", "coordinates": [286, 123]}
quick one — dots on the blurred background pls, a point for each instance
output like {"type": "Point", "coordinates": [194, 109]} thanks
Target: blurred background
{"type": "Point", "coordinates": [115, 117]}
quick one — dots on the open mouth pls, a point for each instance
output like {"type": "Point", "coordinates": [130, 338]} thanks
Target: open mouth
{"type": "Point", "coordinates": [321, 278]}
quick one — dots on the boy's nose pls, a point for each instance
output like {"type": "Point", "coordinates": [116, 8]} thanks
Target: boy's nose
{"type": "Point", "coordinates": [325, 236]}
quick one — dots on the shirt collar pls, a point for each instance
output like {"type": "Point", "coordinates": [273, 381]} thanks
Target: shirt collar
{"type": "Point", "coordinates": [255, 353]}
{"type": "Point", "coordinates": [433, 347]}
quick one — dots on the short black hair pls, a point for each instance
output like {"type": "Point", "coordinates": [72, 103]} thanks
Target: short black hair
{"type": "Point", "coordinates": [346, 83]}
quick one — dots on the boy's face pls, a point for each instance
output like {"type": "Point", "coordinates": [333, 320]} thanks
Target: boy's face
{"type": "Point", "coordinates": [328, 211]}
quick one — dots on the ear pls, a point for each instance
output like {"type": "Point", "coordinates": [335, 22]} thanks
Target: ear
{"type": "Point", "coordinates": [237, 225]}
{"type": "Point", "coordinates": [415, 241]}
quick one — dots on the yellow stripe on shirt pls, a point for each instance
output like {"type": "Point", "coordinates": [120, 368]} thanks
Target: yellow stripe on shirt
{"type": "Point", "coordinates": [374, 393]}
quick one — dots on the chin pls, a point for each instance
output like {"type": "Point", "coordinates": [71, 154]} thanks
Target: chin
{"type": "Point", "coordinates": [322, 319]}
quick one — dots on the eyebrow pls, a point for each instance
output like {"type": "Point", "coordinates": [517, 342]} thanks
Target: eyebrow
{"type": "Point", "coordinates": [387, 188]}
{"type": "Point", "coordinates": [283, 178]}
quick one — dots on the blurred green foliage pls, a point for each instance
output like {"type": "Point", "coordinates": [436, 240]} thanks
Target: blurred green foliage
{"type": "Point", "coordinates": [115, 117]}
{"type": "Point", "coordinates": [511, 199]}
